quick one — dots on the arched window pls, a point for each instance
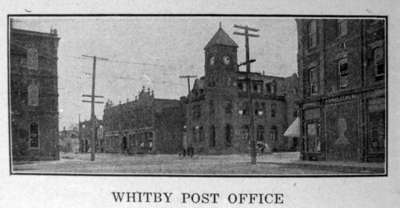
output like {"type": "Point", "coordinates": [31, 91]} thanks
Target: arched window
{"type": "Point", "coordinates": [228, 135]}
{"type": "Point", "coordinates": [212, 136]}
{"type": "Point", "coordinates": [34, 135]}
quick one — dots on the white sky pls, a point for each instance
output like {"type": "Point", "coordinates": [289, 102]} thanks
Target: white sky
{"type": "Point", "coordinates": [173, 45]}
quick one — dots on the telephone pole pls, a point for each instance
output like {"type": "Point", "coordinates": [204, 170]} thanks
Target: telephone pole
{"type": "Point", "coordinates": [252, 138]}
{"type": "Point", "coordinates": [188, 77]}
{"type": "Point", "coordinates": [92, 115]}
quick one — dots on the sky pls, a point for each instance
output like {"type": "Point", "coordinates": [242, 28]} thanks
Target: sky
{"type": "Point", "coordinates": [151, 52]}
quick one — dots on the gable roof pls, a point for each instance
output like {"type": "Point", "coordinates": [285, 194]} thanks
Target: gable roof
{"type": "Point", "coordinates": [221, 38]}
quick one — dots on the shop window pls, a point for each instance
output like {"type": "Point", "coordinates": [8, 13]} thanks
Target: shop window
{"type": "Point", "coordinates": [313, 139]}
{"type": "Point", "coordinates": [34, 135]}
{"type": "Point", "coordinates": [194, 134]}
{"type": "Point", "coordinates": [201, 134]}
{"type": "Point", "coordinates": [32, 58]}
{"type": "Point", "coordinates": [212, 136]}
{"type": "Point", "coordinates": [376, 126]}
{"type": "Point", "coordinates": [343, 73]}
{"type": "Point", "coordinates": [312, 34]}
{"type": "Point", "coordinates": [313, 80]}
{"type": "Point", "coordinates": [228, 135]}
{"type": "Point", "coordinates": [244, 131]}
{"type": "Point", "coordinates": [379, 64]}
{"type": "Point", "coordinates": [342, 27]}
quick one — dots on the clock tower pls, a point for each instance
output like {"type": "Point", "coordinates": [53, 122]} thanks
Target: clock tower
{"type": "Point", "coordinates": [220, 58]}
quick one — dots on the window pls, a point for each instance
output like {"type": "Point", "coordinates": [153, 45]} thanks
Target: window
{"type": "Point", "coordinates": [259, 108]}
{"type": "Point", "coordinates": [229, 107]}
{"type": "Point", "coordinates": [312, 34]}
{"type": "Point", "coordinates": [343, 73]}
{"type": "Point", "coordinates": [212, 136]}
{"type": "Point", "coordinates": [32, 58]}
{"type": "Point", "coordinates": [312, 136]}
{"type": "Point", "coordinates": [196, 111]}
{"type": "Point", "coordinates": [228, 135]}
{"type": "Point", "coordinates": [273, 109]}
{"type": "Point", "coordinates": [260, 133]}
{"type": "Point", "coordinates": [268, 88]}
{"type": "Point", "coordinates": [379, 64]}
{"type": "Point", "coordinates": [201, 134]}
{"type": "Point", "coordinates": [342, 27]}
{"type": "Point", "coordinates": [313, 80]}
{"type": "Point", "coordinates": [274, 137]}
{"type": "Point", "coordinates": [33, 93]}
{"type": "Point", "coordinates": [242, 86]}
{"type": "Point", "coordinates": [34, 135]}
{"type": "Point", "coordinates": [211, 107]}
{"type": "Point", "coordinates": [244, 108]}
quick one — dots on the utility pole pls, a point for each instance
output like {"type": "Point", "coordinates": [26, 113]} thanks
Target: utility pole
{"type": "Point", "coordinates": [79, 133]}
{"type": "Point", "coordinates": [92, 115]}
{"type": "Point", "coordinates": [188, 77]}
{"type": "Point", "coordinates": [252, 138]}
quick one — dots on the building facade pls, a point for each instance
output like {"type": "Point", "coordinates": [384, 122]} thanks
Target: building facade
{"type": "Point", "coordinates": [145, 125]}
{"type": "Point", "coordinates": [85, 135]}
{"type": "Point", "coordinates": [218, 117]}
{"type": "Point", "coordinates": [342, 71]}
{"type": "Point", "coordinates": [33, 94]}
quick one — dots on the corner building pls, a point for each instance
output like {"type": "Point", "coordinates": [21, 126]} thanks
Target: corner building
{"type": "Point", "coordinates": [342, 71]}
{"type": "Point", "coordinates": [145, 125]}
{"type": "Point", "coordinates": [33, 94]}
{"type": "Point", "coordinates": [218, 105]}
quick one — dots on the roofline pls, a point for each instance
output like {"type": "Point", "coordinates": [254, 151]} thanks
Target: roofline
{"type": "Point", "coordinates": [35, 33]}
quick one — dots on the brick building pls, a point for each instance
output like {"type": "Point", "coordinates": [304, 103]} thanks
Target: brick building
{"type": "Point", "coordinates": [218, 106]}
{"type": "Point", "coordinates": [145, 125]}
{"type": "Point", "coordinates": [33, 94]}
{"type": "Point", "coordinates": [342, 71]}
{"type": "Point", "coordinates": [85, 135]}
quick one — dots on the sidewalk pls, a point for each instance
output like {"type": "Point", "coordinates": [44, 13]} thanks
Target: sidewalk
{"type": "Point", "coordinates": [292, 159]}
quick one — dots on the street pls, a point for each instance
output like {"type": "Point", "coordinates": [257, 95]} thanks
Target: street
{"type": "Point", "coordinates": [71, 163]}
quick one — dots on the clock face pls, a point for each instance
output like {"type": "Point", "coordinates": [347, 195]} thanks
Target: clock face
{"type": "Point", "coordinates": [212, 60]}
{"type": "Point", "coordinates": [227, 60]}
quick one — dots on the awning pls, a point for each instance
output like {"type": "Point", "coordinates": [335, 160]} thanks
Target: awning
{"type": "Point", "coordinates": [294, 129]}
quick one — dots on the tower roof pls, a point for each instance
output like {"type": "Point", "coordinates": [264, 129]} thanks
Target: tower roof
{"type": "Point", "coordinates": [221, 38]}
